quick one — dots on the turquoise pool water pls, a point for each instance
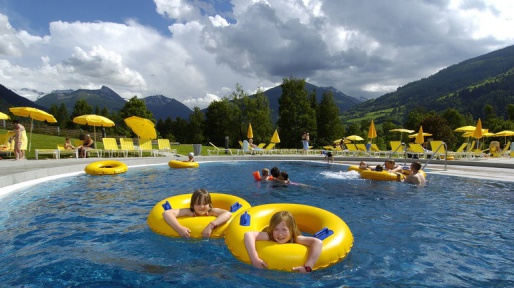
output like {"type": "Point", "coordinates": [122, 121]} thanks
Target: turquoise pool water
{"type": "Point", "coordinates": [91, 231]}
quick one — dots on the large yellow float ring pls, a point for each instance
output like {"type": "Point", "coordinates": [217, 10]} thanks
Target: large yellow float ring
{"type": "Point", "coordinates": [357, 168]}
{"type": "Point", "coordinates": [107, 167]}
{"type": "Point", "coordinates": [286, 256]}
{"type": "Point", "coordinates": [386, 176]}
{"type": "Point", "coordinates": [228, 202]}
{"type": "Point", "coordinates": [182, 164]}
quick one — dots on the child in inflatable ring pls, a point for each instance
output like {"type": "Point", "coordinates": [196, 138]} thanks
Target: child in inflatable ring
{"type": "Point", "coordinates": [283, 229]}
{"type": "Point", "coordinates": [201, 205]}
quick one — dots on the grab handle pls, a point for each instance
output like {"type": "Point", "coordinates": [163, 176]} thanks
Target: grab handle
{"type": "Point", "coordinates": [166, 206]}
{"type": "Point", "coordinates": [235, 207]}
{"type": "Point", "coordinates": [323, 233]}
{"type": "Point", "coordinates": [244, 220]}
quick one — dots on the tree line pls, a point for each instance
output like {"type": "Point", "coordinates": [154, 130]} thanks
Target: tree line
{"type": "Point", "coordinates": [228, 119]}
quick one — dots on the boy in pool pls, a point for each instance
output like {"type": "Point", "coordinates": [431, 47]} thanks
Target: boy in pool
{"type": "Point", "coordinates": [190, 157]}
{"type": "Point", "coordinates": [283, 229]}
{"type": "Point", "coordinates": [201, 205]}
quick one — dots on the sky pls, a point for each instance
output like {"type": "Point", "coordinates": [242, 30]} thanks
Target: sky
{"type": "Point", "coordinates": [197, 51]}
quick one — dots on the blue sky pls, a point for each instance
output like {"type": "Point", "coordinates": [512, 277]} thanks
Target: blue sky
{"type": "Point", "coordinates": [198, 51]}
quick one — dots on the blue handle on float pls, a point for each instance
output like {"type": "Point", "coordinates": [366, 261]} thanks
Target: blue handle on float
{"type": "Point", "coordinates": [323, 233]}
{"type": "Point", "coordinates": [235, 207]}
{"type": "Point", "coordinates": [166, 206]}
{"type": "Point", "coordinates": [244, 220]}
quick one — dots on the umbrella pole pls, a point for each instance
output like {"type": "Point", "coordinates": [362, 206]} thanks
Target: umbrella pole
{"type": "Point", "coordinates": [30, 136]}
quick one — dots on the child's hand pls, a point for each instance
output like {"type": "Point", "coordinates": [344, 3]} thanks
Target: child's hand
{"type": "Point", "coordinates": [259, 263]}
{"type": "Point", "coordinates": [184, 232]}
{"type": "Point", "coordinates": [300, 269]}
{"type": "Point", "coordinates": [206, 233]}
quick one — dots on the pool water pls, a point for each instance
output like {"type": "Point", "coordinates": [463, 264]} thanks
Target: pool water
{"type": "Point", "coordinates": [91, 231]}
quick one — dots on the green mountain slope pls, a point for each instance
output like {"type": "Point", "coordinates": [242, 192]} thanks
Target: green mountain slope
{"type": "Point", "coordinates": [467, 87]}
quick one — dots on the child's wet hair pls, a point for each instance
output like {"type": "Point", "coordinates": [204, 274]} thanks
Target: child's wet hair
{"type": "Point", "coordinates": [200, 196]}
{"type": "Point", "coordinates": [288, 218]}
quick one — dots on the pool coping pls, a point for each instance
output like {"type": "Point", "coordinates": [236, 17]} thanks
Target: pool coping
{"type": "Point", "coordinates": [18, 174]}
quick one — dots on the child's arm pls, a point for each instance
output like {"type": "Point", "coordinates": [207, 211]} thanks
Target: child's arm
{"type": "Point", "coordinates": [170, 216]}
{"type": "Point", "coordinates": [250, 238]}
{"type": "Point", "coordinates": [222, 216]}
{"type": "Point", "coordinates": [315, 246]}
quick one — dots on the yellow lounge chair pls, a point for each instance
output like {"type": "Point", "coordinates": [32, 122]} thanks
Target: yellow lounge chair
{"type": "Point", "coordinates": [128, 144]}
{"type": "Point", "coordinates": [397, 149]}
{"type": "Point", "coordinates": [53, 152]}
{"type": "Point", "coordinates": [62, 151]}
{"type": "Point", "coordinates": [111, 147]}
{"type": "Point", "coordinates": [377, 152]}
{"type": "Point", "coordinates": [417, 150]}
{"type": "Point", "coordinates": [145, 145]}
{"type": "Point", "coordinates": [217, 150]}
{"type": "Point", "coordinates": [164, 147]}
{"type": "Point", "coordinates": [505, 151]}
{"type": "Point", "coordinates": [268, 149]}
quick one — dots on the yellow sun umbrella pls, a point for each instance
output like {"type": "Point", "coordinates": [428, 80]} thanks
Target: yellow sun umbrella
{"type": "Point", "coordinates": [33, 114]}
{"type": "Point", "coordinates": [93, 120]}
{"type": "Point", "coordinates": [142, 127]}
{"type": "Point", "coordinates": [4, 116]}
{"type": "Point", "coordinates": [401, 130]}
{"type": "Point", "coordinates": [372, 133]}
{"type": "Point", "coordinates": [275, 138]}
{"type": "Point", "coordinates": [420, 137]}
{"type": "Point", "coordinates": [504, 133]}
{"type": "Point", "coordinates": [478, 133]}
{"type": "Point", "coordinates": [338, 141]}
{"type": "Point", "coordinates": [250, 131]}
{"type": "Point", "coordinates": [465, 129]}
{"type": "Point", "coordinates": [354, 138]}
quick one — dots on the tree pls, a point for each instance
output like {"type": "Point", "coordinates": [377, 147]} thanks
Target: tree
{"type": "Point", "coordinates": [196, 126]}
{"type": "Point", "coordinates": [221, 118]}
{"type": "Point", "coordinates": [81, 107]}
{"type": "Point", "coordinates": [295, 112]}
{"type": "Point", "coordinates": [330, 127]}
{"type": "Point", "coordinates": [258, 113]}
{"type": "Point", "coordinates": [136, 107]}
{"type": "Point", "coordinates": [61, 114]}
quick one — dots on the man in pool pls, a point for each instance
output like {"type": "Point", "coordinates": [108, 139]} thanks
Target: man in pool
{"type": "Point", "coordinates": [415, 177]}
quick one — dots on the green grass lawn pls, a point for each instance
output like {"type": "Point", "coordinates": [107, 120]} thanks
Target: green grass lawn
{"type": "Point", "coordinates": [41, 141]}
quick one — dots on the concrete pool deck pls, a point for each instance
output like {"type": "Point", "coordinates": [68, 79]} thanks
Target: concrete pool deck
{"type": "Point", "coordinates": [18, 174]}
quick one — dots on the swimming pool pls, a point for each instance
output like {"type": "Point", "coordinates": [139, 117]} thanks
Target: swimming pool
{"type": "Point", "coordinates": [91, 231]}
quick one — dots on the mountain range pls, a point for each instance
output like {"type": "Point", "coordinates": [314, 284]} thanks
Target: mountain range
{"type": "Point", "coordinates": [162, 107]}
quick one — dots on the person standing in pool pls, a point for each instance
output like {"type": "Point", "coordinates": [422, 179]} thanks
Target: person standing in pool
{"type": "Point", "coordinates": [200, 205]}
{"type": "Point", "coordinates": [283, 229]}
{"type": "Point", "coordinates": [415, 177]}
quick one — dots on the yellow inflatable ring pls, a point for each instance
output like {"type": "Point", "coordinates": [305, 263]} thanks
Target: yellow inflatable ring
{"type": "Point", "coordinates": [107, 167]}
{"type": "Point", "coordinates": [182, 164]}
{"type": "Point", "coordinates": [228, 202]}
{"type": "Point", "coordinates": [357, 168]}
{"type": "Point", "coordinates": [386, 176]}
{"type": "Point", "coordinates": [311, 220]}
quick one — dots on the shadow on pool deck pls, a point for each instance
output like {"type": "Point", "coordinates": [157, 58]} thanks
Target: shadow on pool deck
{"type": "Point", "coordinates": [16, 174]}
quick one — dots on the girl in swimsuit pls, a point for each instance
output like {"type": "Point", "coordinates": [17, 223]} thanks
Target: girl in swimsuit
{"type": "Point", "coordinates": [201, 205]}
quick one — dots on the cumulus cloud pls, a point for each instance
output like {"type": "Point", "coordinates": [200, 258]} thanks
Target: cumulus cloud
{"type": "Point", "coordinates": [364, 49]}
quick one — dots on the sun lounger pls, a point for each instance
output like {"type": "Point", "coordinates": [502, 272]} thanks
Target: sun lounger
{"type": "Point", "coordinates": [416, 150]}
{"type": "Point", "coordinates": [53, 152]}
{"type": "Point", "coordinates": [164, 147]}
{"type": "Point", "coordinates": [111, 147]}
{"type": "Point", "coordinates": [145, 145]}
{"type": "Point", "coordinates": [64, 152]}
{"type": "Point", "coordinates": [217, 150]}
{"type": "Point", "coordinates": [128, 144]}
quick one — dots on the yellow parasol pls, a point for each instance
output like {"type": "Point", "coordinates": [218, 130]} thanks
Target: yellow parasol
{"type": "Point", "coordinates": [93, 120]}
{"type": "Point", "coordinates": [354, 138]}
{"type": "Point", "coordinates": [4, 116]}
{"type": "Point", "coordinates": [250, 131]}
{"type": "Point", "coordinates": [420, 137]}
{"type": "Point", "coordinates": [372, 133]}
{"type": "Point", "coordinates": [34, 114]}
{"type": "Point", "coordinates": [401, 130]}
{"type": "Point", "coordinates": [504, 133]}
{"type": "Point", "coordinates": [338, 141]}
{"type": "Point", "coordinates": [465, 129]}
{"type": "Point", "coordinates": [275, 138]}
{"type": "Point", "coordinates": [142, 127]}
{"type": "Point", "coordinates": [478, 133]}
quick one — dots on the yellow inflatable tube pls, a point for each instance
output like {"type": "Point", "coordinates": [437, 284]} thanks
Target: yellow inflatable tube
{"type": "Point", "coordinates": [107, 167]}
{"type": "Point", "coordinates": [228, 202]}
{"type": "Point", "coordinates": [311, 220]}
{"type": "Point", "coordinates": [357, 168]}
{"type": "Point", "coordinates": [182, 164]}
{"type": "Point", "coordinates": [386, 176]}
